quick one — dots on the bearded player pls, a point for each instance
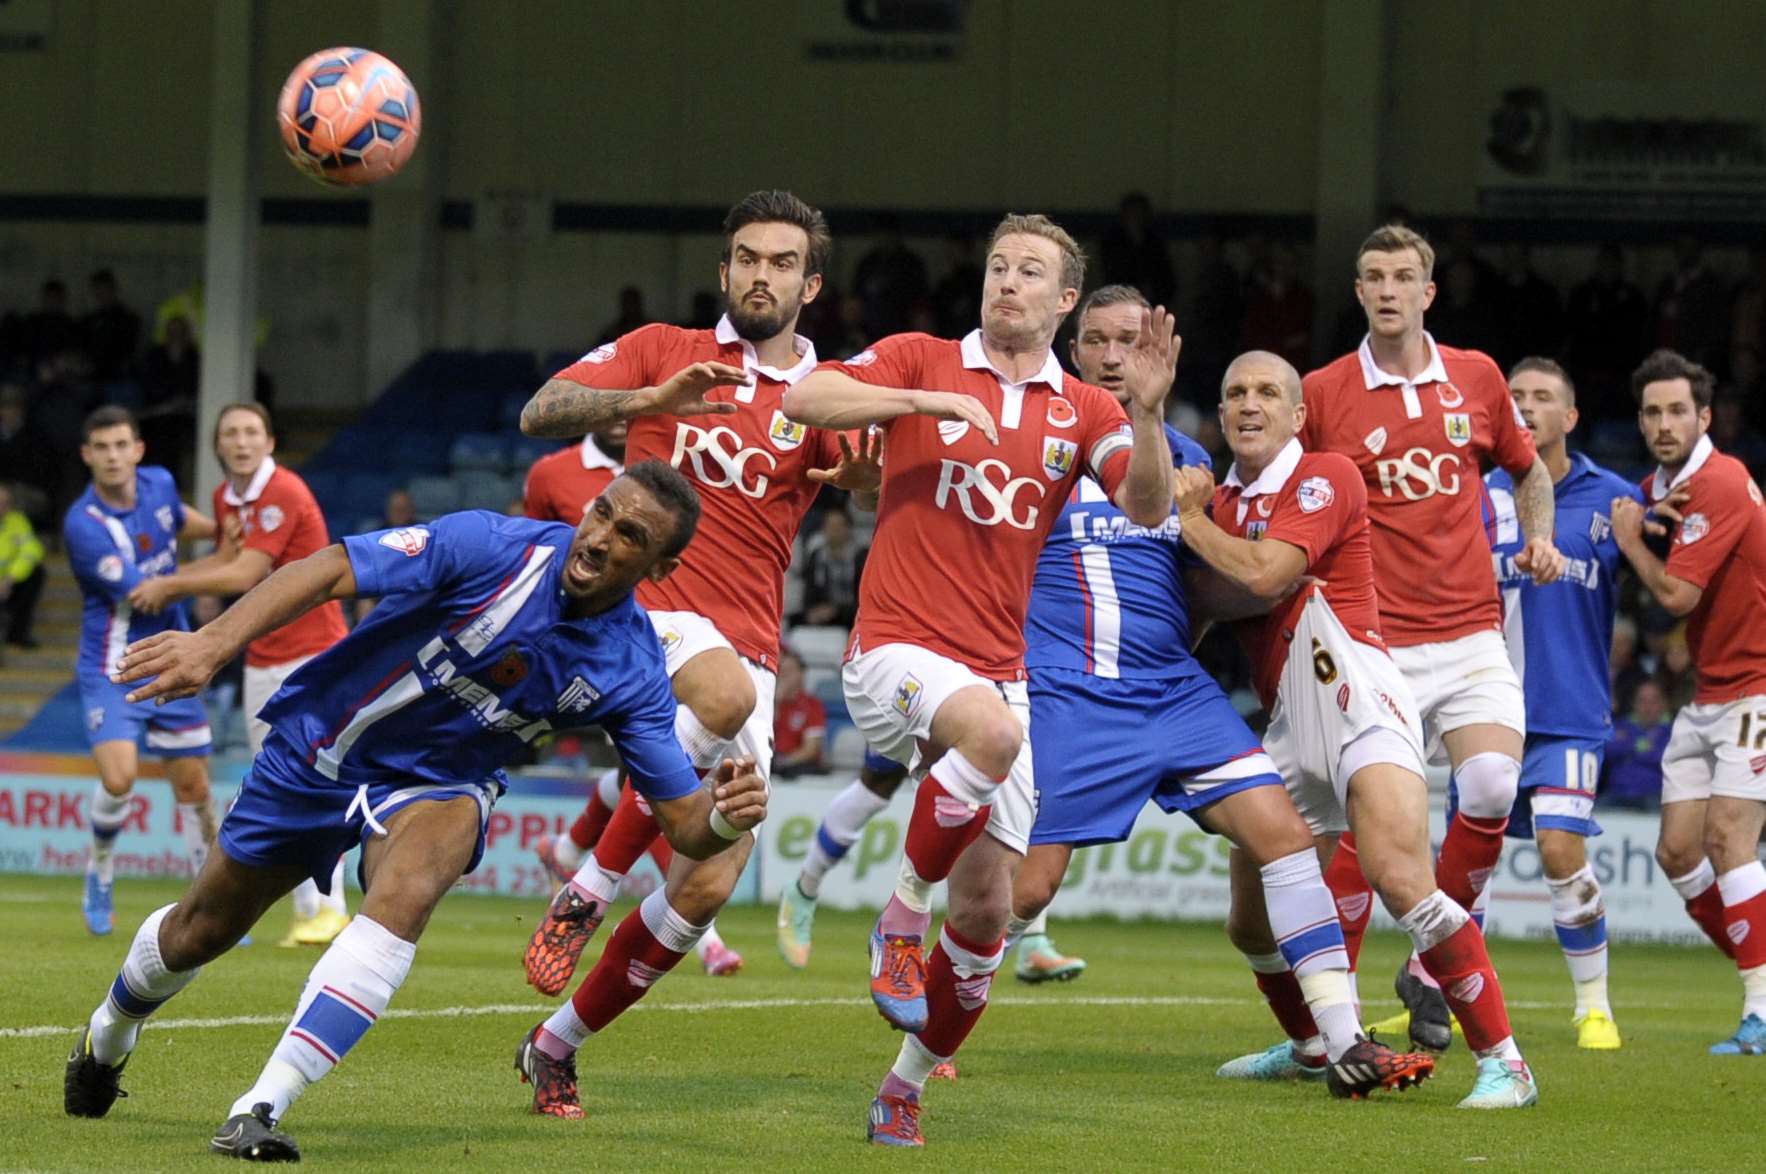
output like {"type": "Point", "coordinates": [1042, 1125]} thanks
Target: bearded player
{"type": "Point", "coordinates": [1714, 770]}
{"type": "Point", "coordinates": [1559, 638]}
{"type": "Point", "coordinates": [1419, 420]}
{"type": "Point", "coordinates": [985, 439]}
{"type": "Point", "coordinates": [709, 402]}
{"type": "Point", "coordinates": [1290, 529]}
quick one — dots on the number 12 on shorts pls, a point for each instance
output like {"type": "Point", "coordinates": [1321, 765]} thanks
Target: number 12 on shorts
{"type": "Point", "coordinates": [1753, 724]}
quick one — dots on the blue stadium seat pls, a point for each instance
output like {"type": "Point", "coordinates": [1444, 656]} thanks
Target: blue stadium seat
{"type": "Point", "coordinates": [481, 490]}
{"type": "Point", "coordinates": [434, 496]}
{"type": "Point", "coordinates": [525, 450]}
{"type": "Point", "coordinates": [416, 452]}
{"type": "Point", "coordinates": [479, 451]}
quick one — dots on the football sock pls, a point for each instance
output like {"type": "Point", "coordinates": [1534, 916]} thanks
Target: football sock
{"type": "Point", "coordinates": [106, 813]}
{"type": "Point", "coordinates": [594, 883]}
{"type": "Point", "coordinates": [1303, 919]}
{"type": "Point", "coordinates": [913, 1065]}
{"type": "Point", "coordinates": [959, 974]}
{"type": "Point", "coordinates": [306, 900]}
{"type": "Point", "coordinates": [1579, 915]}
{"type": "Point", "coordinates": [1704, 904]}
{"type": "Point", "coordinates": [1353, 895]}
{"type": "Point", "coordinates": [1451, 947]}
{"type": "Point", "coordinates": [1287, 1002]}
{"type": "Point", "coordinates": [951, 808]}
{"type": "Point", "coordinates": [707, 940]}
{"type": "Point", "coordinates": [1019, 928]}
{"type": "Point", "coordinates": [648, 943]}
{"type": "Point", "coordinates": [1744, 911]}
{"type": "Point", "coordinates": [345, 993]}
{"type": "Point", "coordinates": [585, 831]}
{"type": "Point", "coordinates": [846, 817]}
{"type": "Point", "coordinates": [196, 824]}
{"type": "Point", "coordinates": [631, 830]}
{"type": "Point", "coordinates": [1468, 856]}
{"type": "Point", "coordinates": [138, 990]}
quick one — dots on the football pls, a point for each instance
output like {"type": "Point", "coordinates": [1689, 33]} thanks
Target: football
{"type": "Point", "coordinates": [348, 117]}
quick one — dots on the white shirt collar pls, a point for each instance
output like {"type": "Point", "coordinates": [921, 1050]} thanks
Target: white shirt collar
{"type": "Point", "coordinates": [726, 334]}
{"type": "Point", "coordinates": [258, 480]}
{"type": "Point", "coordinates": [594, 458]}
{"type": "Point", "coordinates": [1274, 475]}
{"type": "Point", "coordinates": [975, 358]}
{"type": "Point", "coordinates": [1435, 372]}
{"type": "Point", "coordinates": [1660, 486]}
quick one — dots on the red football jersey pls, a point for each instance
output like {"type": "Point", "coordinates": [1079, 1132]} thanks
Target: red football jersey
{"type": "Point", "coordinates": [1422, 446]}
{"type": "Point", "coordinates": [561, 484]}
{"type": "Point", "coordinates": [749, 469]}
{"type": "Point", "coordinates": [795, 720]}
{"type": "Point", "coordinates": [280, 518]}
{"type": "Point", "coordinates": [961, 521]}
{"type": "Point", "coordinates": [1317, 502]}
{"type": "Point", "coordinates": [1720, 547]}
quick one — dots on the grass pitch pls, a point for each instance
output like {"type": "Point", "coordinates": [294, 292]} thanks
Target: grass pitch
{"type": "Point", "coordinates": [773, 1069]}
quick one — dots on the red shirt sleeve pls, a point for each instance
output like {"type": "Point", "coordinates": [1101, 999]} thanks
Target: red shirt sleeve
{"type": "Point", "coordinates": [896, 361]}
{"type": "Point", "coordinates": [1105, 437]}
{"type": "Point", "coordinates": [1311, 438]}
{"type": "Point", "coordinates": [629, 361]}
{"type": "Point", "coordinates": [533, 493]}
{"type": "Point", "coordinates": [1317, 509]}
{"type": "Point", "coordinates": [274, 520]}
{"type": "Point", "coordinates": [1715, 518]}
{"type": "Point", "coordinates": [1511, 445]}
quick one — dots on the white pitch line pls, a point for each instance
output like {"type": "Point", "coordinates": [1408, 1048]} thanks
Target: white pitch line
{"type": "Point", "coordinates": [41, 1030]}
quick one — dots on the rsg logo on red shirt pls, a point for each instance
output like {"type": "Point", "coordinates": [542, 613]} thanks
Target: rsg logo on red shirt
{"type": "Point", "coordinates": [718, 458]}
{"type": "Point", "coordinates": [997, 501]}
{"type": "Point", "coordinates": [1419, 473]}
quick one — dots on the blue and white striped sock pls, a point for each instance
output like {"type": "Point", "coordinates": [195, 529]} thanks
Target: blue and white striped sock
{"type": "Point", "coordinates": [845, 819]}
{"type": "Point", "coordinates": [345, 993]}
{"type": "Point", "coordinates": [138, 990]}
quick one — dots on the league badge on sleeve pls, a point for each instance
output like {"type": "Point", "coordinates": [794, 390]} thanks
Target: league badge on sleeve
{"type": "Point", "coordinates": [1057, 457]}
{"type": "Point", "coordinates": [1314, 494]}
{"type": "Point", "coordinates": [602, 353]}
{"type": "Point", "coordinates": [786, 434]}
{"type": "Point", "coordinates": [1459, 427]}
{"type": "Point", "coordinates": [269, 518]}
{"type": "Point", "coordinates": [110, 569]}
{"type": "Point", "coordinates": [164, 516]}
{"type": "Point", "coordinates": [1695, 527]}
{"type": "Point", "coordinates": [407, 540]}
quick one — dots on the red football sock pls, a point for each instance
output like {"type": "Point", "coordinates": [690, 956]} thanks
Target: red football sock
{"type": "Point", "coordinates": [1461, 965]}
{"type": "Point", "coordinates": [591, 823]}
{"type": "Point", "coordinates": [629, 832]}
{"type": "Point", "coordinates": [942, 825]}
{"type": "Point", "coordinates": [1468, 857]}
{"type": "Point", "coordinates": [1289, 1004]}
{"type": "Point", "coordinates": [1707, 910]}
{"type": "Point", "coordinates": [1353, 895]}
{"type": "Point", "coordinates": [1745, 926]}
{"type": "Point", "coordinates": [629, 967]}
{"type": "Point", "coordinates": [954, 1003]}
{"type": "Point", "coordinates": [662, 853]}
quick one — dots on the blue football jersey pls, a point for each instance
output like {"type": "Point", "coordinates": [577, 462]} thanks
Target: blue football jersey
{"type": "Point", "coordinates": [1108, 596]}
{"type": "Point", "coordinates": [468, 657]}
{"type": "Point", "coordinates": [111, 550]}
{"type": "Point", "coordinates": [1560, 637]}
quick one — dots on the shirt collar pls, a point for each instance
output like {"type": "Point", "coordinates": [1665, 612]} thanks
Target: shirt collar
{"type": "Point", "coordinates": [975, 358]}
{"type": "Point", "coordinates": [594, 458]}
{"type": "Point", "coordinates": [1435, 372]}
{"type": "Point", "coordinates": [1275, 474]}
{"type": "Point", "coordinates": [1660, 486]}
{"type": "Point", "coordinates": [727, 336]}
{"type": "Point", "coordinates": [258, 480]}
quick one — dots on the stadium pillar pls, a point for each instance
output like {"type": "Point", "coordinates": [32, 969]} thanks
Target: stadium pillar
{"type": "Point", "coordinates": [1351, 117]}
{"type": "Point", "coordinates": [230, 236]}
{"type": "Point", "coordinates": [404, 230]}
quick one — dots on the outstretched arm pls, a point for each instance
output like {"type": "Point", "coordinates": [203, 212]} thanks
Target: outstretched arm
{"type": "Point", "coordinates": [219, 574]}
{"type": "Point", "coordinates": [833, 399]}
{"type": "Point", "coordinates": [181, 663]}
{"type": "Point", "coordinates": [563, 408]}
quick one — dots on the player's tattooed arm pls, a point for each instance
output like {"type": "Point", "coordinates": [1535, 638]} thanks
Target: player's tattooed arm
{"type": "Point", "coordinates": [1677, 596]}
{"type": "Point", "coordinates": [1536, 508]}
{"type": "Point", "coordinates": [562, 409]}
{"type": "Point", "coordinates": [181, 663]}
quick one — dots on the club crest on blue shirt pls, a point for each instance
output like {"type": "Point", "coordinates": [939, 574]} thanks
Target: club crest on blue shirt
{"type": "Point", "coordinates": [786, 434]}
{"type": "Point", "coordinates": [511, 670]}
{"type": "Point", "coordinates": [907, 695]}
{"type": "Point", "coordinates": [1600, 528]}
{"type": "Point", "coordinates": [578, 696]}
{"type": "Point", "coordinates": [1459, 427]}
{"type": "Point", "coordinates": [1057, 457]}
